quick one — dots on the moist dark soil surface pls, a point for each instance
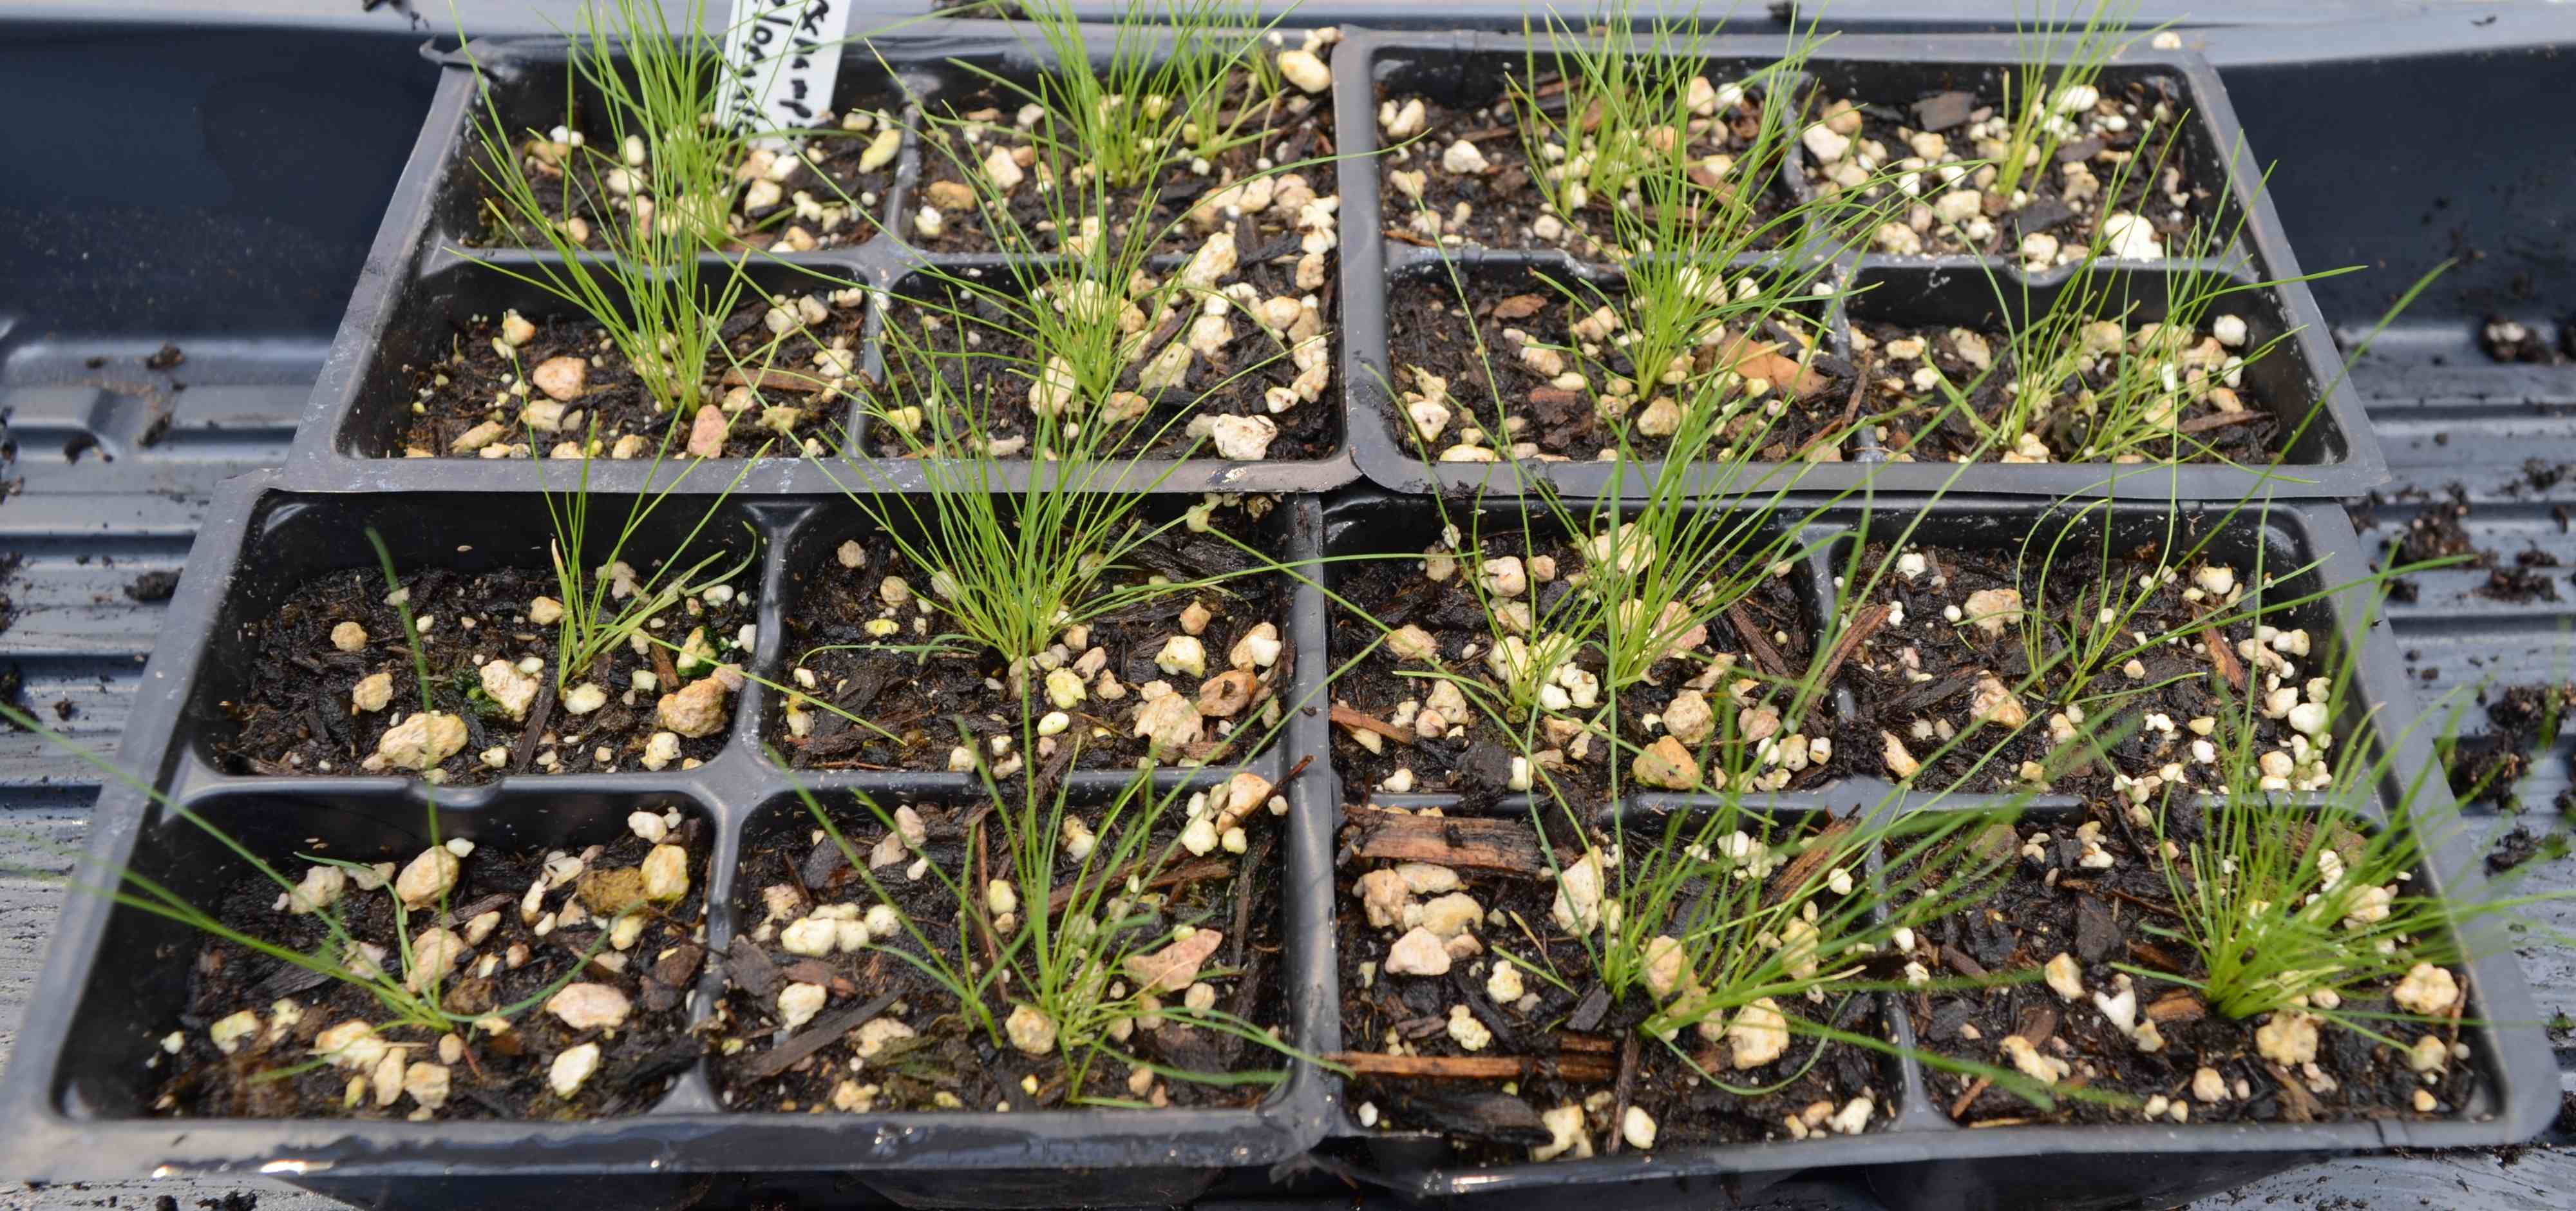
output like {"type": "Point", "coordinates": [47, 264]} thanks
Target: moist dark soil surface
{"type": "Point", "coordinates": [1474, 755]}
{"type": "Point", "coordinates": [1000, 360]}
{"type": "Point", "coordinates": [502, 1076]}
{"type": "Point", "coordinates": [452, 397]}
{"type": "Point", "coordinates": [830, 178]}
{"type": "Point", "coordinates": [1428, 332]}
{"type": "Point", "coordinates": [2071, 220]}
{"type": "Point", "coordinates": [2523, 722]}
{"type": "Point", "coordinates": [1502, 202]}
{"type": "Point", "coordinates": [2102, 918]}
{"type": "Point", "coordinates": [1937, 686]}
{"type": "Point", "coordinates": [2206, 432]}
{"type": "Point", "coordinates": [923, 702]}
{"type": "Point", "coordinates": [9, 605]}
{"type": "Point", "coordinates": [1582, 1029]}
{"type": "Point", "coordinates": [1301, 129]}
{"type": "Point", "coordinates": [296, 716]}
{"type": "Point", "coordinates": [944, 1056]}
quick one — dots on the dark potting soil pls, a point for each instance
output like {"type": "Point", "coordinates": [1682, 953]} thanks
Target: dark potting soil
{"type": "Point", "coordinates": [296, 718]}
{"type": "Point", "coordinates": [1474, 755]}
{"type": "Point", "coordinates": [2523, 721]}
{"type": "Point", "coordinates": [1502, 205]}
{"type": "Point", "coordinates": [946, 1061]}
{"type": "Point", "coordinates": [455, 396]}
{"type": "Point", "coordinates": [1580, 1029]}
{"type": "Point", "coordinates": [2104, 917]}
{"type": "Point", "coordinates": [1428, 332]}
{"type": "Point", "coordinates": [987, 355]}
{"type": "Point", "coordinates": [829, 177]}
{"type": "Point", "coordinates": [2146, 187]}
{"type": "Point", "coordinates": [925, 700]}
{"type": "Point", "coordinates": [2508, 341]}
{"type": "Point", "coordinates": [954, 180]}
{"type": "Point", "coordinates": [2183, 680]}
{"type": "Point", "coordinates": [2204, 432]}
{"type": "Point", "coordinates": [502, 1075]}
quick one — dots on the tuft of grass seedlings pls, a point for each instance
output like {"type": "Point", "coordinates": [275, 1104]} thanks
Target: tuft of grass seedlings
{"type": "Point", "coordinates": [1018, 552]}
{"type": "Point", "coordinates": [2310, 907]}
{"type": "Point", "coordinates": [1689, 323]}
{"type": "Point", "coordinates": [607, 604]}
{"type": "Point", "coordinates": [1742, 932]}
{"type": "Point", "coordinates": [410, 988]}
{"type": "Point", "coordinates": [2060, 60]}
{"type": "Point", "coordinates": [668, 175]}
{"type": "Point", "coordinates": [2105, 388]}
{"type": "Point", "coordinates": [1062, 946]}
{"type": "Point", "coordinates": [1158, 98]}
{"type": "Point", "coordinates": [1623, 107]}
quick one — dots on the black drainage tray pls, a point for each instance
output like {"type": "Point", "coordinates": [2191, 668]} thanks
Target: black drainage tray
{"type": "Point", "coordinates": [2335, 455]}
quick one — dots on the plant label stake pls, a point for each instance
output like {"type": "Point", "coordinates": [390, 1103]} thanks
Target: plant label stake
{"type": "Point", "coordinates": [781, 60]}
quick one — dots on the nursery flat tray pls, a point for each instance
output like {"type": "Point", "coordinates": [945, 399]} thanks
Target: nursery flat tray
{"type": "Point", "coordinates": [2334, 455]}
{"type": "Point", "coordinates": [419, 286]}
{"type": "Point", "coordinates": [257, 333]}
{"type": "Point", "coordinates": [1921, 1158]}
{"type": "Point", "coordinates": [74, 1092]}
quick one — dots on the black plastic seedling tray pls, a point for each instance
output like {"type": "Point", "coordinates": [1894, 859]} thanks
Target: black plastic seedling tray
{"type": "Point", "coordinates": [420, 289]}
{"type": "Point", "coordinates": [77, 1092]}
{"type": "Point", "coordinates": [1920, 1158]}
{"type": "Point", "coordinates": [110, 989]}
{"type": "Point", "coordinates": [2335, 455]}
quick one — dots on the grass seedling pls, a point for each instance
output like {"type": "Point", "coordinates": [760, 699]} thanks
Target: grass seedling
{"type": "Point", "coordinates": [1075, 978]}
{"type": "Point", "coordinates": [2311, 913]}
{"type": "Point", "coordinates": [1739, 927]}
{"type": "Point", "coordinates": [1624, 105]}
{"type": "Point", "coordinates": [1065, 939]}
{"type": "Point", "coordinates": [1158, 99]}
{"type": "Point", "coordinates": [665, 184]}
{"type": "Point", "coordinates": [609, 604]}
{"type": "Point", "coordinates": [1018, 553]}
{"type": "Point", "coordinates": [402, 608]}
{"type": "Point", "coordinates": [2054, 81]}
{"type": "Point", "coordinates": [2085, 376]}
{"type": "Point", "coordinates": [410, 988]}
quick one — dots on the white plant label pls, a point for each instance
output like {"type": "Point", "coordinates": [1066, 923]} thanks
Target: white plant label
{"type": "Point", "coordinates": [781, 58]}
